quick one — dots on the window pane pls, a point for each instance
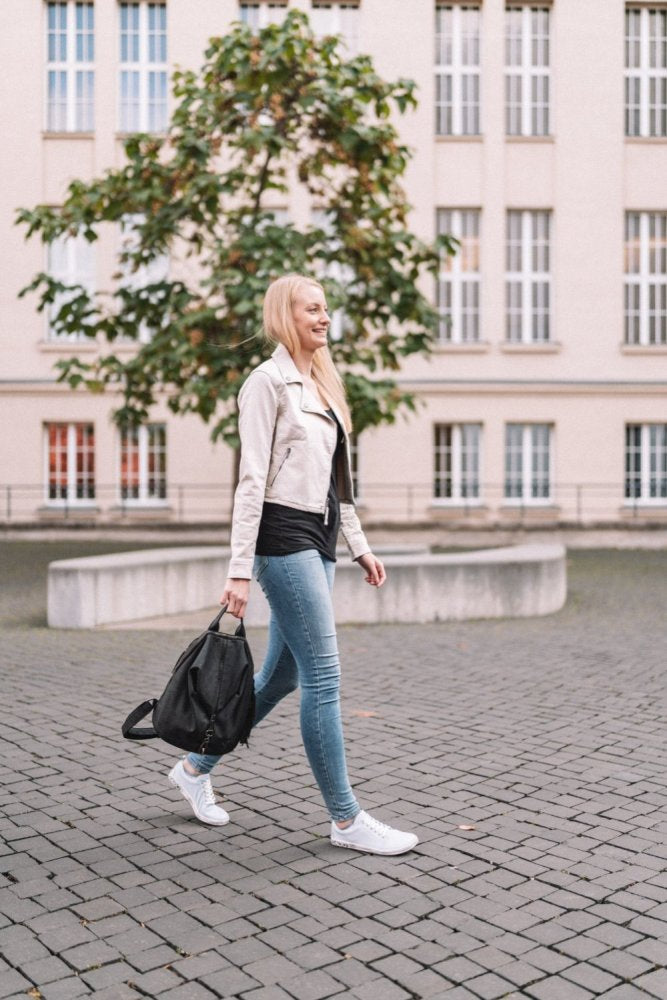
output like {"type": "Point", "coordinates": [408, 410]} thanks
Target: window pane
{"type": "Point", "coordinates": [457, 61]}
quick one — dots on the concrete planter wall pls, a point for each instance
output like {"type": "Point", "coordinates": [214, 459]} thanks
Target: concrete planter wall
{"type": "Point", "coordinates": [513, 582]}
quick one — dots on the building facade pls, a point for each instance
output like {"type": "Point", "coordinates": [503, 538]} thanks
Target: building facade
{"type": "Point", "coordinates": [540, 141]}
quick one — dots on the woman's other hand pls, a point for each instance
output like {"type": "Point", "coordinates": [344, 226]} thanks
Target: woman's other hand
{"type": "Point", "coordinates": [375, 574]}
{"type": "Point", "coordinates": [235, 596]}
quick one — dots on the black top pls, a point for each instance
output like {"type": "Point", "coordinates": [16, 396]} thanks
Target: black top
{"type": "Point", "coordinates": [284, 530]}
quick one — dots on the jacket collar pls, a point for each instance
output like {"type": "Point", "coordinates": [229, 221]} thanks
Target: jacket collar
{"type": "Point", "coordinates": [290, 373]}
{"type": "Point", "coordinates": [285, 363]}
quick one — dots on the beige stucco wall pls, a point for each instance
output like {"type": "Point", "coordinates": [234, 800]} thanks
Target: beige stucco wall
{"type": "Point", "coordinates": [586, 385]}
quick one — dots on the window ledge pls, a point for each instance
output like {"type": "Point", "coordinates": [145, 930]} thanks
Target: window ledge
{"type": "Point", "coordinates": [651, 140]}
{"type": "Point", "coordinates": [643, 348]}
{"type": "Point", "coordinates": [68, 507]}
{"type": "Point", "coordinates": [645, 506]}
{"type": "Point", "coordinates": [57, 346]}
{"type": "Point", "coordinates": [459, 138]}
{"type": "Point", "coordinates": [458, 506]}
{"type": "Point", "coordinates": [530, 138]}
{"type": "Point", "coordinates": [67, 135]}
{"type": "Point", "coordinates": [470, 347]}
{"type": "Point", "coordinates": [122, 136]}
{"type": "Point", "coordinates": [539, 506]}
{"type": "Point", "coordinates": [550, 347]}
{"type": "Point", "coordinates": [140, 506]}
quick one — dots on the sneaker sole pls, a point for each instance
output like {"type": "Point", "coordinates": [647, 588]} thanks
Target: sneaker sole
{"type": "Point", "coordinates": [370, 850]}
{"type": "Point", "coordinates": [187, 798]}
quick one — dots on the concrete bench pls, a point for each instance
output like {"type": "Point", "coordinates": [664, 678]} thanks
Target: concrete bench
{"type": "Point", "coordinates": [512, 582]}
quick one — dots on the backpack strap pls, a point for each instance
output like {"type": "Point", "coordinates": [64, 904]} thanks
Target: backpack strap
{"type": "Point", "coordinates": [215, 624]}
{"type": "Point", "coordinates": [136, 715]}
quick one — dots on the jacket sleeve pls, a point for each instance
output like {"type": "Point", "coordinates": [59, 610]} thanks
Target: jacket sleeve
{"type": "Point", "coordinates": [352, 532]}
{"type": "Point", "coordinates": [258, 407]}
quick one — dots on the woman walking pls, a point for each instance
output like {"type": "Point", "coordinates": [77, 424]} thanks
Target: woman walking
{"type": "Point", "coordinates": [293, 496]}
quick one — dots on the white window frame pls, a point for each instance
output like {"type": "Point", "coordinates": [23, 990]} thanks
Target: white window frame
{"type": "Point", "coordinates": [147, 274]}
{"type": "Point", "coordinates": [534, 114]}
{"type": "Point", "coordinates": [336, 270]}
{"type": "Point", "coordinates": [267, 12]}
{"type": "Point", "coordinates": [75, 266]}
{"type": "Point", "coordinates": [463, 108]}
{"type": "Point", "coordinates": [78, 74]}
{"type": "Point", "coordinates": [460, 275]}
{"type": "Point", "coordinates": [646, 279]}
{"type": "Point", "coordinates": [646, 108]}
{"type": "Point", "coordinates": [144, 67]}
{"type": "Point", "coordinates": [528, 286]}
{"type": "Point", "coordinates": [465, 485]}
{"type": "Point", "coordinates": [143, 448]}
{"type": "Point", "coordinates": [651, 477]}
{"type": "Point", "coordinates": [527, 477]}
{"type": "Point", "coordinates": [344, 20]}
{"type": "Point", "coordinates": [71, 499]}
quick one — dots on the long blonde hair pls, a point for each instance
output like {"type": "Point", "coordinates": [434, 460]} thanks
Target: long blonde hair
{"type": "Point", "coordinates": [279, 329]}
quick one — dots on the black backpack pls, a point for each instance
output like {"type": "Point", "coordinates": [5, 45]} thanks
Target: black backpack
{"type": "Point", "coordinates": [208, 705]}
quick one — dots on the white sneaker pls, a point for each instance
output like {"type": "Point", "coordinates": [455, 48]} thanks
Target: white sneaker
{"type": "Point", "coordinates": [199, 793]}
{"type": "Point", "coordinates": [369, 835]}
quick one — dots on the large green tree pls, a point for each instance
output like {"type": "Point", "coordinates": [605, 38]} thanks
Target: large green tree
{"type": "Point", "coordinates": [266, 112]}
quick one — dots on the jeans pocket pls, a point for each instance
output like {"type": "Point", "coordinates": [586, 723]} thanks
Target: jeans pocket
{"type": "Point", "coordinates": [259, 567]}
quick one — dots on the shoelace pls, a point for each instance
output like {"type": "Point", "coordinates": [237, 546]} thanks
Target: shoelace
{"type": "Point", "coordinates": [376, 826]}
{"type": "Point", "coordinates": [209, 794]}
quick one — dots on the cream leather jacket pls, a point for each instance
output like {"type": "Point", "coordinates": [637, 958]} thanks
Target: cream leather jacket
{"type": "Point", "coordinates": [287, 444]}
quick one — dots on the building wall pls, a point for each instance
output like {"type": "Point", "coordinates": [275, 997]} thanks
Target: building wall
{"type": "Point", "coordinates": [586, 384]}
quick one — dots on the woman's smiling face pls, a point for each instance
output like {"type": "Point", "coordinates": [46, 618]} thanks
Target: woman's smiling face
{"type": "Point", "coordinates": [311, 319]}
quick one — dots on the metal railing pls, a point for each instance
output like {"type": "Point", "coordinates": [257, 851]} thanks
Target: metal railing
{"type": "Point", "coordinates": [404, 503]}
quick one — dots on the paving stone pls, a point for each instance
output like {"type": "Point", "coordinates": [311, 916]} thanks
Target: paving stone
{"type": "Point", "coordinates": [623, 964]}
{"type": "Point", "coordinates": [547, 960]}
{"type": "Point", "coordinates": [13, 982]}
{"type": "Point", "coordinates": [108, 975]}
{"type": "Point", "coordinates": [654, 983]}
{"type": "Point", "coordinates": [66, 989]}
{"type": "Point", "coordinates": [591, 978]}
{"type": "Point", "coordinates": [190, 991]}
{"type": "Point", "coordinates": [88, 955]}
{"type": "Point", "coordinates": [626, 991]}
{"type": "Point", "coordinates": [390, 991]}
{"type": "Point", "coordinates": [557, 988]}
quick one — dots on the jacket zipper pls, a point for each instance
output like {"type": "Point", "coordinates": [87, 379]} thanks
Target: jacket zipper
{"type": "Point", "coordinates": [285, 457]}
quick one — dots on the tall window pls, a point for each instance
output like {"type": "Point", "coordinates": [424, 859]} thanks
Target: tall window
{"type": "Point", "coordinates": [143, 463]}
{"type": "Point", "coordinates": [70, 462]}
{"type": "Point", "coordinates": [71, 260]}
{"type": "Point", "coordinates": [457, 462]}
{"type": "Point", "coordinates": [70, 72]}
{"type": "Point", "coordinates": [459, 280]}
{"type": "Point", "coordinates": [646, 71]}
{"type": "Point", "coordinates": [457, 69]}
{"type": "Point", "coordinates": [646, 462]}
{"type": "Point", "coordinates": [146, 274]}
{"type": "Point", "coordinates": [527, 73]}
{"type": "Point", "coordinates": [143, 67]}
{"type": "Point", "coordinates": [340, 17]}
{"type": "Point", "coordinates": [646, 278]}
{"type": "Point", "coordinates": [334, 270]}
{"type": "Point", "coordinates": [528, 462]}
{"type": "Point", "coordinates": [528, 282]}
{"type": "Point", "coordinates": [258, 15]}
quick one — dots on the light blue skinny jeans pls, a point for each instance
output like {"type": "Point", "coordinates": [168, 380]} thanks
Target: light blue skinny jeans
{"type": "Point", "coordinates": [303, 652]}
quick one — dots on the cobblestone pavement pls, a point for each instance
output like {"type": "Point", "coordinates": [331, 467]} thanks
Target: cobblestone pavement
{"type": "Point", "coordinates": [530, 756]}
